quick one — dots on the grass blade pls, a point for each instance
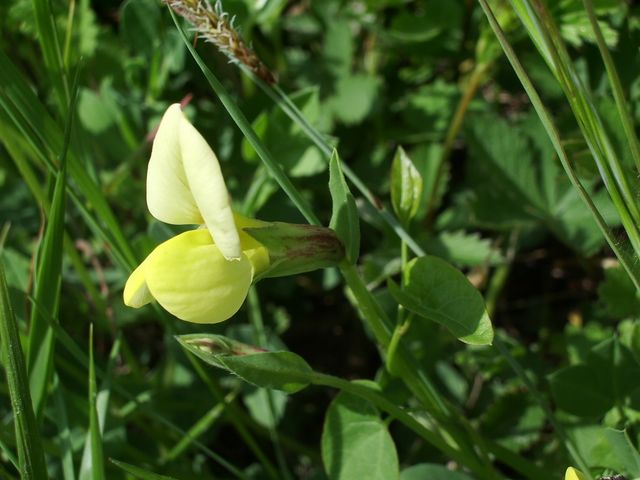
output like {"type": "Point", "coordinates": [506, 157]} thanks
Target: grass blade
{"type": "Point", "coordinates": [48, 282]}
{"type": "Point", "coordinates": [62, 422]}
{"type": "Point", "coordinates": [139, 472]}
{"type": "Point", "coordinates": [619, 249]}
{"type": "Point", "coordinates": [48, 39]}
{"type": "Point", "coordinates": [101, 405]}
{"type": "Point", "coordinates": [616, 86]}
{"type": "Point", "coordinates": [30, 454]}
{"type": "Point", "coordinates": [31, 118]}
{"type": "Point", "coordinates": [92, 467]}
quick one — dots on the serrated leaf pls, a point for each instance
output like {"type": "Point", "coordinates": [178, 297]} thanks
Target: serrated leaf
{"type": "Point", "coordinates": [280, 370]}
{"type": "Point", "coordinates": [439, 292]}
{"type": "Point", "coordinates": [356, 443]}
{"type": "Point", "coordinates": [406, 186]}
{"type": "Point", "coordinates": [464, 249]}
{"type": "Point", "coordinates": [344, 216]}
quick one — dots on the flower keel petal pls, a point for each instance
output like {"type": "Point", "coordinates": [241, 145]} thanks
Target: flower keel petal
{"type": "Point", "coordinates": [136, 292]}
{"type": "Point", "coordinates": [191, 279]}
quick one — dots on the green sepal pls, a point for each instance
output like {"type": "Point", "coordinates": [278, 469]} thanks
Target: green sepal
{"type": "Point", "coordinates": [295, 248]}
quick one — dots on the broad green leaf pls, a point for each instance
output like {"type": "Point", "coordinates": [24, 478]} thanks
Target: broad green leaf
{"type": "Point", "coordinates": [608, 377]}
{"type": "Point", "coordinates": [431, 471]}
{"type": "Point", "coordinates": [30, 454]}
{"type": "Point", "coordinates": [344, 216]}
{"type": "Point", "coordinates": [139, 472]}
{"type": "Point", "coordinates": [437, 291]}
{"type": "Point", "coordinates": [624, 450]}
{"type": "Point", "coordinates": [607, 448]}
{"type": "Point", "coordinates": [266, 407]}
{"type": "Point", "coordinates": [406, 186]}
{"type": "Point", "coordinates": [618, 293]}
{"type": "Point", "coordinates": [279, 370]}
{"type": "Point", "coordinates": [614, 367]}
{"type": "Point", "coordinates": [574, 391]}
{"type": "Point", "coordinates": [356, 443]}
{"type": "Point", "coordinates": [354, 98]}
{"type": "Point", "coordinates": [514, 420]}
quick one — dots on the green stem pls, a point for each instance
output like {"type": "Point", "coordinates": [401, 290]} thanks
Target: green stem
{"type": "Point", "coordinates": [409, 370]}
{"type": "Point", "coordinates": [255, 316]}
{"type": "Point", "coordinates": [553, 134]}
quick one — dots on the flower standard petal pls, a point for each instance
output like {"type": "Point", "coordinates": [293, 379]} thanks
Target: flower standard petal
{"type": "Point", "coordinates": [169, 197]}
{"type": "Point", "coordinates": [208, 189]}
{"type": "Point", "coordinates": [189, 277]}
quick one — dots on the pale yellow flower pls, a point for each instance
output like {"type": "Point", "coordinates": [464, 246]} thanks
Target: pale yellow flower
{"type": "Point", "coordinates": [574, 474]}
{"type": "Point", "coordinates": [202, 275]}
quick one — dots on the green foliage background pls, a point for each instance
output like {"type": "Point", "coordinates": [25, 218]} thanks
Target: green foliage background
{"type": "Point", "coordinates": [371, 75]}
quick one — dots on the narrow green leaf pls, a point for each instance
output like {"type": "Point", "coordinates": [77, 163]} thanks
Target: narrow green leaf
{"type": "Point", "coordinates": [344, 216]}
{"type": "Point", "coordinates": [51, 51]}
{"type": "Point", "coordinates": [93, 468]}
{"type": "Point", "coordinates": [48, 281]}
{"type": "Point", "coordinates": [356, 443]}
{"type": "Point", "coordinates": [29, 116]}
{"type": "Point", "coordinates": [439, 292]}
{"type": "Point", "coordinates": [30, 454]}
{"type": "Point", "coordinates": [406, 186]}
{"type": "Point", "coordinates": [279, 370]}
{"type": "Point", "coordinates": [101, 405]}
{"type": "Point", "coordinates": [62, 421]}
{"type": "Point", "coordinates": [139, 472]}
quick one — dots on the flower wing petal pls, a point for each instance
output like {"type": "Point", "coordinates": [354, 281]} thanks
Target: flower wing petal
{"type": "Point", "coordinates": [209, 190]}
{"type": "Point", "coordinates": [136, 292]}
{"type": "Point", "coordinates": [169, 197]}
{"type": "Point", "coordinates": [189, 277]}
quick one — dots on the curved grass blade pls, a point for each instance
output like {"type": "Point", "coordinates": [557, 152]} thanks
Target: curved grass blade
{"type": "Point", "coordinates": [48, 279]}
{"type": "Point", "coordinates": [139, 472]}
{"type": "Point", "coordinates": [93, 465]}
{"type": "Point", "coordinates": [30, 453]}
{"type": "Point", "coordinates": [100, 406]}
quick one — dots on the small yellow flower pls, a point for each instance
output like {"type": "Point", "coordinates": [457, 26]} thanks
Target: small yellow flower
{"type": "Point", "coordinates": [202, 275]}
{"type": "Point", "coordinates": [573, 474]}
